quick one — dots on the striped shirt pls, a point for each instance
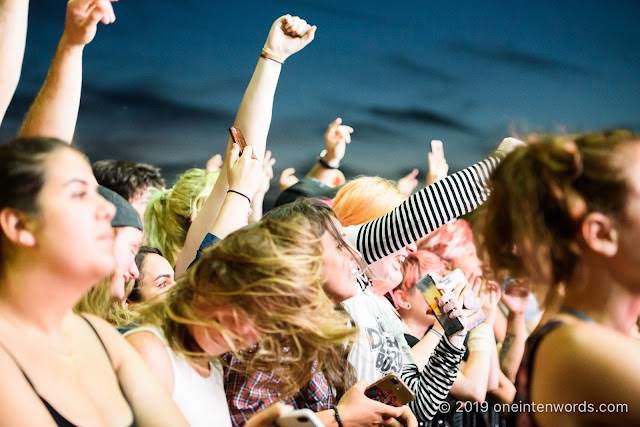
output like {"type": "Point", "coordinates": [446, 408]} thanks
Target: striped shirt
{"type": "Point", "coordinates": [419, 215]}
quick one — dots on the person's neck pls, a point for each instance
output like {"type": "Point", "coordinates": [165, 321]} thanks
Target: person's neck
{"type": "Point", "coordinates": [596, 293]}
{"type": "Point", "coordinates": [36, 297]}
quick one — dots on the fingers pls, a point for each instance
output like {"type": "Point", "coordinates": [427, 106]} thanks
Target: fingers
{"type": "Point", "coordinates": [234, 154]}
{"type": "Point", "coordinates": [214, 163]}
{"type": "Point", "coordinates": [268, 416]}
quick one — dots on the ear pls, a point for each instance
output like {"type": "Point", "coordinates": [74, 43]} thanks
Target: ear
{"type": "Point", "coordinates": [16, 225]}
{"type": "Point", "coordinates": [600, 234]}
{"type": "Point", "coordinates": [400, 296]}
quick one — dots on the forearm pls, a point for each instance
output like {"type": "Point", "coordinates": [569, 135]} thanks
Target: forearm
{"type": "Point", "coordinates": [13, 34]}
{"type": "Point", "coordinates": [424, 212]}
{"type": "Point", "coordinates": [55, 110]}
{"type": "Point", "coordinates": [203, 222]}
{"type": "Point", "coordinates": [513, 345]}
{"type": "Point", "coordinates": [254, 114]}
{"type": "Point", "coordinates": [423, 350]}
{"type": "Point", "coordinates": [432, 385]}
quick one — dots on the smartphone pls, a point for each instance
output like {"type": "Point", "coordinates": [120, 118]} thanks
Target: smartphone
{"type": "Point", "coordinates": [431, 294]}
{"type": "Point", "coordinates": [390, 390]}
{"type": "Point", "coordinates": [436, 148]}
{"type": "Point", "coordinates": [453, 279]}
{"type": "Point", "coordinates": [237, 137]}
{"type": "Point", "coordinates": [299, 418]}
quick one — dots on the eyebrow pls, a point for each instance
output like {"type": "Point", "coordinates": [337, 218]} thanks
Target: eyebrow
{"type": "Point", "coordinates": [76, 181]}
{"type": "Point", "coordinates": [160, 276]}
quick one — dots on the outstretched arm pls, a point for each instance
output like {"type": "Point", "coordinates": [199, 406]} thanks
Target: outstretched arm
{"type": "Point", "coordinates": [13, 33]}
{"type": "Point", "coordinates": [288, 35]}
{"type": "Point", "coordinates": [55, 110]}
{"type": "Point", "coordinates": [336, 138]}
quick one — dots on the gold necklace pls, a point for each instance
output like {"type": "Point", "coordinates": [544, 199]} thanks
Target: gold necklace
{"type": "Point", "coordinates": [68, 355]}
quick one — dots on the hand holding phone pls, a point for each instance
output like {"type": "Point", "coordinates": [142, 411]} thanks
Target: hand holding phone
{"type": "Point", "coordinates": [238, 138]}
{"type": "Point", "coordinates": [433, 296]}
{"type": "Point", "coordinates": [390, 390]}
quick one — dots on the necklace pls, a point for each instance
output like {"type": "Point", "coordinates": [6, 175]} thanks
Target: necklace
{"type": "Point", "coordinates": [67, 355]}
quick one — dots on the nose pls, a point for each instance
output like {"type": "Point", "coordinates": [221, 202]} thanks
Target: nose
{"type": "Point", "coordinates": [412, 248]}
{"type": "Point", "coordinates": [106, 209]}
{"type": "Point", "coordinates": [133, 271]}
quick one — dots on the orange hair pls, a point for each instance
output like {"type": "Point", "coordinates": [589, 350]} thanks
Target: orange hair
{"type": "Point", "coordinates": [365, 199]}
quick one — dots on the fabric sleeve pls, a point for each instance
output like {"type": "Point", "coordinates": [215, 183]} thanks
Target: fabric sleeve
{"type": "Point", "coordinates": [431, 386]}
{"type": "Point", "coordinates": [424, 212]}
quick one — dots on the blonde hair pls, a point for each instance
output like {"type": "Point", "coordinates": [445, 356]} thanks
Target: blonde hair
{"type": "Point", "coordinates": [366, 198]}
{"type": "Point", "coordinates": [168, 215]}
{"type": "Point", "coordinates": [99, 302]}
{"type": "Point", "coordinates": [270, 274]}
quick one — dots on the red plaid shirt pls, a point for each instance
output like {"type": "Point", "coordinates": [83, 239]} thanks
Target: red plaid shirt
{"type": "Point", "coordinates": [248, 395]}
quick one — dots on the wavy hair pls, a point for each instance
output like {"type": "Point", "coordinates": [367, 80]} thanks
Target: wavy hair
{"type": "Point", "coordinates": [168, 215]}
{"type": "Point", "coordinates": [270, 274]}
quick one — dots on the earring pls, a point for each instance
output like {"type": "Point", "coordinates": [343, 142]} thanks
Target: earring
{"type": "Point", "coordinates": [407, 306]}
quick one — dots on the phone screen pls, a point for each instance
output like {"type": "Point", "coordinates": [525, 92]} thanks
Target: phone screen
{"type": "Point", "coordinates": [390, 390]}
{"type": "Point", "coordinates": [431, 294]}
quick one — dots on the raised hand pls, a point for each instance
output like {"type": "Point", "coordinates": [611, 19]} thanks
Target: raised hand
{"type": "Point", "coordinates": [82, 19]}
{"type": "Point", "coordinates": [288, 35]}
{"type": "Point", "coordinates": [438, 167]}
{"type": "Point", "coordinates": [492, 295]}
{"type": "Point", "coordinates": [267, 172]}
{"type": "Point", "coordinates": [408, 183]}
{"type": "Point", "coordinates": [509, 144]}
{"type": "Point", "coordinates": [336, 138]}
{"type": "Point", "coordinates": [287, 178]}
{"type": "Point", "coordinates": [516, 297]}
{"type": "Point", "coordinates": [214, 163]}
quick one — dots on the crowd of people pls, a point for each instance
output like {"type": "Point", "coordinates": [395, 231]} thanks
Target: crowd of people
{"type": "Point", "coordinates": [127, 302]}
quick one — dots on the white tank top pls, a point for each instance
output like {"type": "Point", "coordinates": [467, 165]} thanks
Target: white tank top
{"type": "Point", "coordinates": [201, 400]}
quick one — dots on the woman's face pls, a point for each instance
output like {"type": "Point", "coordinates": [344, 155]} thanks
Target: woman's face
{"type": "Point", "coordinates": [127, 244]}
{"type": "Point", "coordinates": [470, 265]}
{"type": "Point", "coordinates": [386, 273]}
{"type": "Point", "coordinates": [339, 267]}
{"type": "Point", "coordinates": [156, 276]}
{"type": "Point", "coordinates": [73, 233]}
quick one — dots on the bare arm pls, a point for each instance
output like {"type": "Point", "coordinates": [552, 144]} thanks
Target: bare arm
{"type": "Point", "coordinates": [150, 401]}
{"type": "Point", "coordinates": [336, 137]}
{"type": "Point", "coordinates": [287, 36]}
{"type": "Point", "coordinates": [515, 299]}
{"type": "Point", "coordinates": [13, 33]}
{"type": "Point", "coordinates": [55, 110]}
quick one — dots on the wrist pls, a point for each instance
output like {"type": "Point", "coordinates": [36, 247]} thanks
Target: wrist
{"type": "Point", "coordinates": [237, 193]}
{"type": "Point", "coordinates": [515, 316]}
{"type": "Point", "coordinates": [327, 162]}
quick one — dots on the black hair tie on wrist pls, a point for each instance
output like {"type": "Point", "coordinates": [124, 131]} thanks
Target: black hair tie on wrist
{"type": "Point", "coordinates": [243, 195]}
{"type": "Point", "coordinates": [335, 410]}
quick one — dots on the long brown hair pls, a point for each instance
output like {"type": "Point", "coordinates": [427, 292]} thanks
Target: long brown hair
{"type": "Point", "coordinates": [269, 274]}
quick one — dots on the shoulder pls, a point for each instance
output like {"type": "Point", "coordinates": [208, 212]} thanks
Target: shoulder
{"type": "Point", "coordinates": [586, 362]}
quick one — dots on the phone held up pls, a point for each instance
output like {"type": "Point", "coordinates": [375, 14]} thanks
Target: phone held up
{"type": "Point", "coordinates": [431, 294]}
{"type": "Point", "coordinates": [237, 137]}
{"type": "Point", "coordinates": [299, 418]}
{"type": "Point", "coordinates": [390, 390]}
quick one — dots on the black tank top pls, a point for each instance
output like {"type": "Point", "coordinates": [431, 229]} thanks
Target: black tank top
{"type": "Point", "coordinates": [59, 419]}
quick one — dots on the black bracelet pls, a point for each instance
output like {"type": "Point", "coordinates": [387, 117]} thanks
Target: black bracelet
{"type": "Point", "coordinates": [243, 195]}
{"type": "Point", "coordinates": [335, 410]}
{"type": "Point", "coordinates": [326, 165]}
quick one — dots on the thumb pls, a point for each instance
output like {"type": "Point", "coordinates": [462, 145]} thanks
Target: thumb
{"type": "Point", "coordinates": [414, 173]}
{"type": "Point", "coordinates": [234, 154]}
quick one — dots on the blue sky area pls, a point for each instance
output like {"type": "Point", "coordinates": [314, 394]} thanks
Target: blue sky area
{"type": "Point", "coordinates": [162, 84]}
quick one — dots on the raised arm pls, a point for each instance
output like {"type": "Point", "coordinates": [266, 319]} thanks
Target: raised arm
{"type": "Point", "coordinates": [288, 35]}
{"type": "Point", "coordinates": [428, 209]}
{"type": "Point", "coordinates": [13, 33]}
{"type": "Point", "coordinates": [55, 110]}
{"type": "Point", "coordinates": [336, 138]}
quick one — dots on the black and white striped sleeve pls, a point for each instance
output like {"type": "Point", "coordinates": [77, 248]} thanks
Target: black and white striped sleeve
{"type": "Point", "coordinates": [425, 211]}
{"type": "Point", "coordinates": [432, 385]}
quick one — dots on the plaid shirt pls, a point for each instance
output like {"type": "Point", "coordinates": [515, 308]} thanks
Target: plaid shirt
{"type": "Point", "coordinates": [248, 395]}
